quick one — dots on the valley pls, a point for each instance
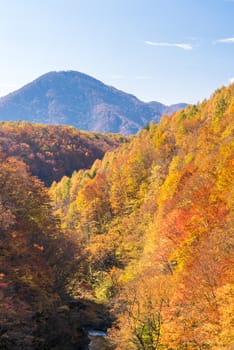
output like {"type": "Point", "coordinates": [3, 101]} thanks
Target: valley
{"type": "Point", "coordinates": [130, 236]}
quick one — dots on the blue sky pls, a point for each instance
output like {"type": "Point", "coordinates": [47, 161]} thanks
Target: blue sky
{"type": "Point", "coordinates": [165, 50]}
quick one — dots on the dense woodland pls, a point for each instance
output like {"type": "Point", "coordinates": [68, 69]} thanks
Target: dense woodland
{"type": "Point", "coordinates": [155, 221]}
{"type": "Point", "coordinates": [36, 255]}
{"type": "Point", "coordinates": [31, 249]}
{"type": "Point", "coordinates": [147, 232]}
{"type": "Point", "coordinates": [54, 151]}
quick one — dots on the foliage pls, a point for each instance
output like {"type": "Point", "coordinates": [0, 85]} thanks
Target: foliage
{"type": "Point", "coordinates": [53, 151]}
{"type": "Point", "coordinates": [36, 259]}
{"type": "Point", "coordinates": [154, 219]}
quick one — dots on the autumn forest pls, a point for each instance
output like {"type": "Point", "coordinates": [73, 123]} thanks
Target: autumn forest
{"type": "Point", "coordinates": [132, 235]}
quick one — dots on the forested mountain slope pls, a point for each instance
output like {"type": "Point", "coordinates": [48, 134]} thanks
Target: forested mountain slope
{"type": "Point", "coordinates": [32, 247]}
{"type": "Point", "coordinates": [54, 151]}
{"type": "Point", "coordinates": [155, 223]}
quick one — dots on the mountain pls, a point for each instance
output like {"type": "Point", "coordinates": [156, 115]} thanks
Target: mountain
{"type": "Point", "coordinates": [73, 98]}
{"type": "Point", "coordinates": [160, 109]}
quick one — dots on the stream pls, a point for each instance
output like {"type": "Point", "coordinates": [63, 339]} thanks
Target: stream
{"type": "Point", "coordinates": [92, 320]}
{"type": "Point", "coordinates": [97, 340]}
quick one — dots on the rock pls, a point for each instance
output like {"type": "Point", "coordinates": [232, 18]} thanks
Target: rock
{"type": "Point", "coordinates": [63, 308]}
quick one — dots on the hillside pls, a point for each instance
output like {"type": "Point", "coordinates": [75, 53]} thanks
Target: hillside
{"type": "Point", "coordinates": [53, 151]}
{"type": "Point", "coordinates": [31, 247]}
{"type": "Point", "coordinates": [154, 220]}
{"type": "Point", "coordinates": [37, 260]}
{"type": "Point", "coordinates": [141, 243]}
{"type": "Point", "coordinates": [73, 98]}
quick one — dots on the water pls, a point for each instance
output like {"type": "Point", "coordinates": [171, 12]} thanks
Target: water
{"type": "Point", "coordinates": [97, 340]}
{"type": "Point", "coordinates": [96, 333]}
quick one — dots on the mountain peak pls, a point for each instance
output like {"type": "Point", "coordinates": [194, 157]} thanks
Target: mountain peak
{"type": "Point", "coordinates": [77, 99]}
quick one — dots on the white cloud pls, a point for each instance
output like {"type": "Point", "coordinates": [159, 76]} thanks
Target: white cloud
{"type": "Point", "coordinates": [226, 40]}
{"type": "Point", "coordinates": [231, 80]}
{"type": "Point", "coordinates": [183, 46]}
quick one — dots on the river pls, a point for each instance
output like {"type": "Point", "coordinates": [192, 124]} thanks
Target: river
{"type": "Point", "coordinates": [97, 340]}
